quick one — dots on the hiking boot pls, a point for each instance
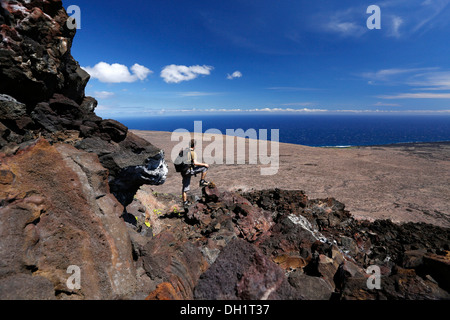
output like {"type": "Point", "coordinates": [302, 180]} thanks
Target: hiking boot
{"type": "Point", "coordinates": [185, 204]}
{"type": "Point", "coordinates": [204, 183]}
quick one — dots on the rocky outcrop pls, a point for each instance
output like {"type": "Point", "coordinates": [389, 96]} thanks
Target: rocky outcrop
{"type": "Point", "coordinates": [66, 174]}
{"type": "Point", "coordinates": [308, 249]}
{"type": "Point", "coordinates": [42, 92]}
{"type": "Point", "coordinates": [56, 211]}
{"type": "Point", "coordinates": [35, 52]}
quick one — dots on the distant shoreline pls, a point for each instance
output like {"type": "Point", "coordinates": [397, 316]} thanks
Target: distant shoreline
{"type": "Point", "coordinates": [411, 144]}
{"type": "Point", "coordinates": [389, 145]}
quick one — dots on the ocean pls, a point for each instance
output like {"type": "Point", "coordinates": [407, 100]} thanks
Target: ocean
{"type": "Point", "coordinates": [316, 130]}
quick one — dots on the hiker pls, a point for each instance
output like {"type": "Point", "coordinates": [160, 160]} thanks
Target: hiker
{"type": "Point", "coordinates": [192, 168]}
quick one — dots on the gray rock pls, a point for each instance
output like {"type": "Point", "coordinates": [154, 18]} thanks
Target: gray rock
{"type": "Point", "coordinates": [10, 108]}
{"type": "Point", "coordinates": [310, 288]}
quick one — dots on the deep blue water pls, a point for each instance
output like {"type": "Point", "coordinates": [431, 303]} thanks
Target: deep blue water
{"type": "Point", "coordinates": [314, 130]}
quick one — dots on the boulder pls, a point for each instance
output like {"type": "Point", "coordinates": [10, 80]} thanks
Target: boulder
{"type": "Point", "coordinates": [251, 221]}
{"type": "Point", "coordinates": [242, 272]}
{"type": "Point", "coordinates": [413, 258]}
{"type": "Point", "coordinates": [287, 238]}
{"type": "Point", "coordinates": [10, 108]}
{"type": "Point", "coordinates": [174, 261]}
{"type": "Point", "coordinates": [310, 288]}
{"type": "Point", "coordinates": [114, 129]}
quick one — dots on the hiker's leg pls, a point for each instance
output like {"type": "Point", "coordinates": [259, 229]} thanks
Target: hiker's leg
{"type": "Point", "coordinates": [201, 170]}
{"type": "Point", "coordinates": [186, 187]}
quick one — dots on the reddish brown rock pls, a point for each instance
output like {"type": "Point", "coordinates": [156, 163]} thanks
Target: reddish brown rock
{"type": "Point", "coordinates": [242, 272]}
{"type": "Point", "coordinates": [56, 212]}
{"type": "Point", "coordinates": [164, 291]}
{"type": "Point", "coordinates": [211, 193]}
{"type": "Point", "coordinates": [286, 238]}
{"type": "Point", "coordinates": [252, 222]}
{"type": "Point", "coordinates": [170, 258]}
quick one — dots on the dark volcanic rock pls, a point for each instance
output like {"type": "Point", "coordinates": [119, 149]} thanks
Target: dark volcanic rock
{"type": "Point", "coordinates": [279, 201]}
{"type": "Point", "coordinates": [56, 209]}
{"type": "Point", "coordinates": [242, 272]}
{"type": "Point", "coordinates": [42, 94]}
{"type": "Point", "coordinates": [114, 129]}
{"type": "Point", "coordinates": [35, 53]}
{"type": "Point", "coordinates": [314, 288]}
{"type": "Point", "coordinates": [301, 255]}
{"type": "Point", "coordinates": [10, 108]}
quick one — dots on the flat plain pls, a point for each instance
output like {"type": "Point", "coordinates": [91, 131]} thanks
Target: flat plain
{"type": "Point", "coordinates": [401, 182]}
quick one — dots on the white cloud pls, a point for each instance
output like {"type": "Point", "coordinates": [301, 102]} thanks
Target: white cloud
{"type": "Point", "coordinates": [236, 74]}
{"type": "Point", "coordinates": [394, 75]}
{"type": "Point", "coordinates": [387, 74]}
{"type": "Point", "coordinates": [140, 72]}
{"type": "Point", "coordinates": [178, 73]}
{"type": "Point", "coordinates": [117, 73]}
{"type": "Point", "coordinates": [303, 110]}
{"type": "Point", "coordinates": [419, 95]}
{"type": "Point", "coordinates": [396, 24]}
{"type": "Point", "coordinates": [347, 28]}
{"type": "Point", "coordinates": [103, 94]}
{"type": "Point", "coordinates": [439, 80]}
{"type": "Point", "coordinates": [101, 107]}
{"type": "Point", "coordinates": [345, 23]}
{"type": "Point", "coordinates": [422, 16]}
{"type": "Point", "coordinates": [287, 110]}
{"type": "Point", "coordinates": [419, 79]}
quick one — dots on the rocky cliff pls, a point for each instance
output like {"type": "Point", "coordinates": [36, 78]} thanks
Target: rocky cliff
{"type": "Point", "coordinates": [66, 174]}
{"type": "Point", "coordinates": [42, 90]}
{"type": "Point", "coordinates": [74, 193]}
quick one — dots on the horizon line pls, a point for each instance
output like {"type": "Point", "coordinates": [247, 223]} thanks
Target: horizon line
{"type": "Point", "coordinates": [156, 112]}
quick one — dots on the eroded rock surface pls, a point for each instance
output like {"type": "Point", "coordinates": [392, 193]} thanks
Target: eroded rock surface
{"type": "Point", "coordinates": [56, 211]}
{"type": "Point", "coordinates": [311, 249]}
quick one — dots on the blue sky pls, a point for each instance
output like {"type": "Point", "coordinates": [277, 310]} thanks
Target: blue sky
{"type": "Point", "coordinates": [149, 57]}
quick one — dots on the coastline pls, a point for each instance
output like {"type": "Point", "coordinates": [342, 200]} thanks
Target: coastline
{"type": "Point", "coordinates": [401, 182]}
{"type": "Point", "coordinates": [411, 144]}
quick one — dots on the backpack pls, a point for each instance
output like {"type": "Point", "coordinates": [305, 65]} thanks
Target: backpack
{"type": "Point", "coordinates": [180, 165]}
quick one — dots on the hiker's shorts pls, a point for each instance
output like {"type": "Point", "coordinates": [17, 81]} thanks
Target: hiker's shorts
{"type": "Point", "coordinates": [187, 178]}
